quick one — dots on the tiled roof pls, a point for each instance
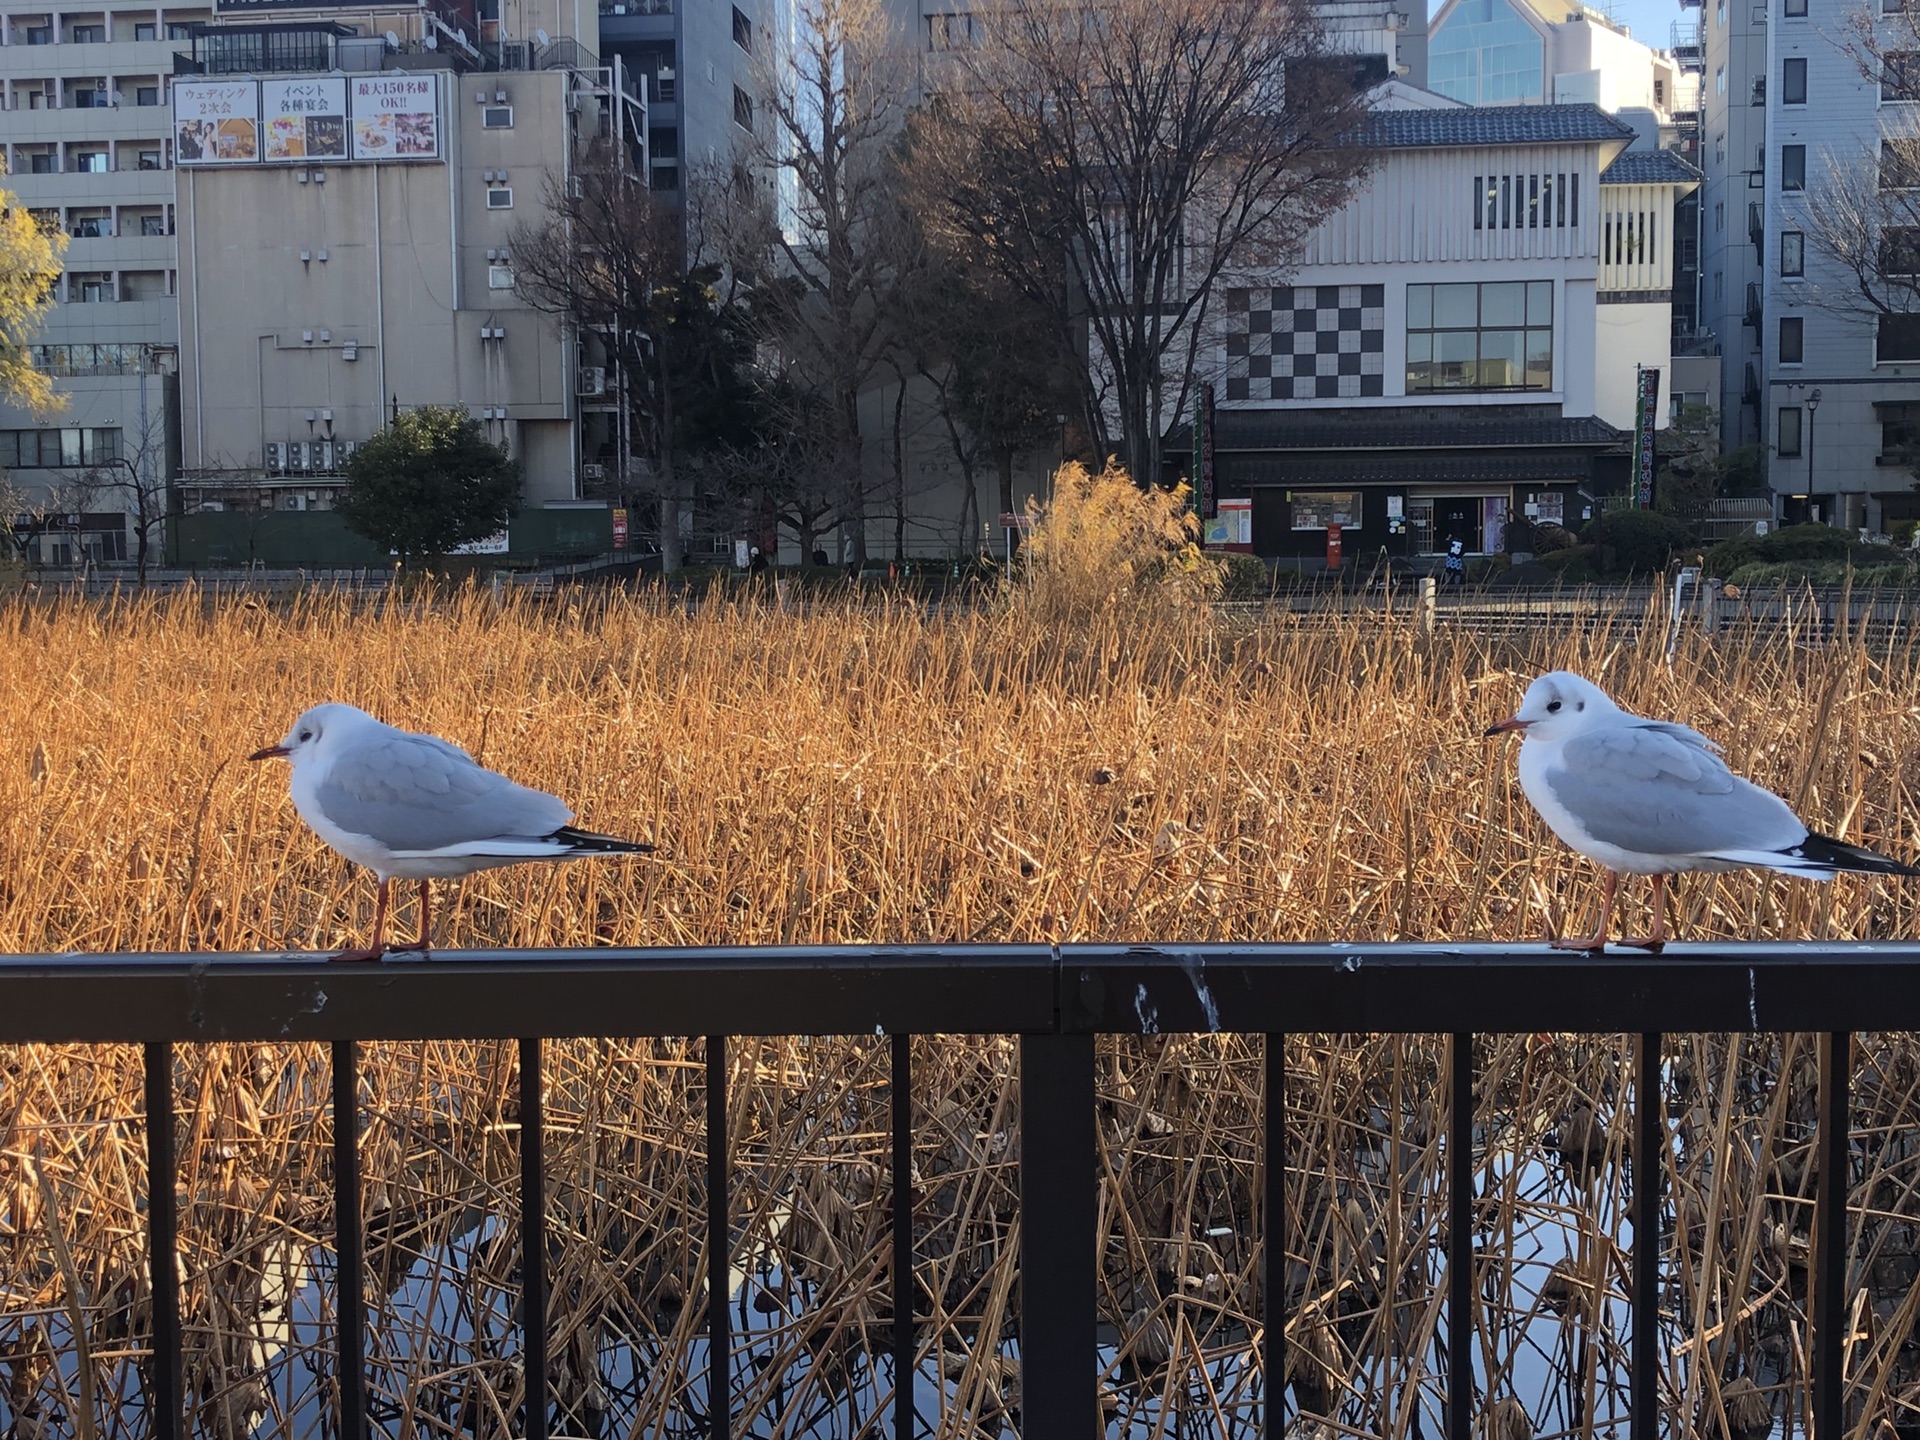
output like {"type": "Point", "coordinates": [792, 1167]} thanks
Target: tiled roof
{"type": "Point", "coordinates": [1649, 167]}
{"type": "Point", "coordinates": [1492, 125]}
{"type": "Point", "coordinates": [1396, 430]}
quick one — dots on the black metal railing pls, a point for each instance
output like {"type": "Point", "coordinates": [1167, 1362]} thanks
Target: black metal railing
{"type": "Point", "coordinates": [1056, 999]}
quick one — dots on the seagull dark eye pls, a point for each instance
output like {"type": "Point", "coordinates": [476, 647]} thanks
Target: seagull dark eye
{"type": "Point", "coordinates": [306, 734]}
{"type": "Point", "coordinates": [1553, 707]}
{"type": "Point", "coordinates": [1581, 706]}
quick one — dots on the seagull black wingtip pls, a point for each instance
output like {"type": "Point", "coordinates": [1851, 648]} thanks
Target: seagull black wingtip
{"type": "Point", "coordinates": [1825, 850]}
{"type": "Point", "coordinates": [599, 844]}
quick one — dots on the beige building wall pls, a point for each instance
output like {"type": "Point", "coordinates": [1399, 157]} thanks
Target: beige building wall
{"type": "Point", "coordinates": [316, 297]}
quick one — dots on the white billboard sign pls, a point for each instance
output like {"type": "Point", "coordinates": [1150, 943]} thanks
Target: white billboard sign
{"type": "Point", "coordinates": [396, 117]}
{"type": "Point", "coordinates": [216, 122]}
{"type": "Point", "coordinates": [304, 119]}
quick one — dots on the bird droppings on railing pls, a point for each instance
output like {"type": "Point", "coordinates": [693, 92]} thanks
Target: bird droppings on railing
{"type": "Point", "coordinates": [1148, 1012]}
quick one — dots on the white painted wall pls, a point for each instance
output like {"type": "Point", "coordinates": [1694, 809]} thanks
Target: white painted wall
{"type": "Point", "coordinates": [1625, 338]}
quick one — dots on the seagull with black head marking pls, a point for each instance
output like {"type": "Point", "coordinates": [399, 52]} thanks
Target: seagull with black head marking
{"type": "Point", "coordinates": [1649, 797]}
{"type": "Point", "coordinates": [414, 807]}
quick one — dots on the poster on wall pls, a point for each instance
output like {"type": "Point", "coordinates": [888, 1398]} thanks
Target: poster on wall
{"type": "Point", "coordinates": [304, 119]}
{"type": "Point", "coordinates": [216, 122]}
{"type": "Point", "coordinates": [396, 117]}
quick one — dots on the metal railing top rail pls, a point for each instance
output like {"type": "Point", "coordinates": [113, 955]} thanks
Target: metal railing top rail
{"type": "Point", "coordinates": [909, 989]}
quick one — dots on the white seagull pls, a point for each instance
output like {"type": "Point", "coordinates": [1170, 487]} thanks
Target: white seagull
{"type": "Point", "coordinates": [1646, 797]}
{"type": "Point", "coordinates": [413, 807]}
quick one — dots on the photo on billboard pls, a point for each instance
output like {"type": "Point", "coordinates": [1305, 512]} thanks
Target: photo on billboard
{"type": "Point", "coordinates": [396, 117]}
{"type": "Point", "coordinates": [304, 119]}
{"type": "Point", "coordinates": [216, 122]}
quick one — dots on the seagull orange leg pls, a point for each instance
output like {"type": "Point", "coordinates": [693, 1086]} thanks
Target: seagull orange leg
{"type": "Point", "coordinates": [379, 945]}
{"type": "Point", "coordinates": [426, 921]}
{"type": "Point", "coordinates": [1656, 938]}
{"type": "Point", "coordinates": [1597, 941]}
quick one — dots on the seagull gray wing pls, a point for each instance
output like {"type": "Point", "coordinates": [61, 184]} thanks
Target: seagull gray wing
{"type": "Point", "coordinates": [414, 793]}
{"type": "Point", "coordinates": [1659, 789]}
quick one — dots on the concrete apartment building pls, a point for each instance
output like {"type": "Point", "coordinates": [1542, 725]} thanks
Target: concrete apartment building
{"type": "Point", "coordinates": [1839, 384]}
{"type": "Point", "coordinates": [347, 198]}
{"type": "Point", "coordinates": [86, 135]}
{"type": "Point", "coordinates": [1733, 123]}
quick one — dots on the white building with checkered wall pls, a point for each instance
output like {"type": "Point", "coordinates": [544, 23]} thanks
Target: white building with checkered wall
{"type": "Point", "coordinates": [1459, 345]}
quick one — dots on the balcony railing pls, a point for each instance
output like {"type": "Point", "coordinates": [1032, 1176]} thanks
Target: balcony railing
{"type": "Point", "coordinates": [1057, 999]}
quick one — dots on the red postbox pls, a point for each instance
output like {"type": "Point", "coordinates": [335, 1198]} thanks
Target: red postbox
{"type": "Point", "coordinates": [1333, 547]}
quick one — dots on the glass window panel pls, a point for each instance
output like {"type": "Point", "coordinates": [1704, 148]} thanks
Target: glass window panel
{"type": "Point", "coordinates": [1502, 358]}
{"type": "Point", "coordinates": [1419, 307]}
{"type": "Point", "coordinates": [1457, 357]}
{"type": "Point", "coordinates": [1539, 302]}
{"type": "Point", "coordinates": [1454, 307]}
{"type": "Point", "coordinates": [1787, 436]}
{"type": "Point", "coordinates": [70, 448]}
{"type": "Point", "coordinates": [9, 449]}
{"type": "Point", "coordinates": [1503, 304]}
{"type": "Point", "coordinates": [1540, 359]}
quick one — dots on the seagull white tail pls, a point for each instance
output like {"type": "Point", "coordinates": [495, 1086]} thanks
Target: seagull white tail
{"type": "Point", "coordinates": [1819, 857]}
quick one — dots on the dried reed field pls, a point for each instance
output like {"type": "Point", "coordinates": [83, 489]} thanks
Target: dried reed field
{"type": "Point", "coordinates": [884, 773]}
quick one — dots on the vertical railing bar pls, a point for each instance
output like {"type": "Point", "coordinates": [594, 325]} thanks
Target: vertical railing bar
{"type": "Point", "coordinates": [1059, 1271]}
{"type": "Point", "coordinates": [1643, 1416]}
{"type": "Point", "coordinates": [349, 1244]}
{"type": "Point", "coordinates": [719, 1247]}
{"type": "Point", "coordinates": [901, 1119]}
{"type": "Point", "coordinates": [163, 1231]}
{"type": "Point", "coordinates": [1460, 1219]}
{"type": "Point", "coordinates": [1273, 1229]}
{"type": "Point", "coordinates": [533, 1236]}
{"type": "Point", "coordinates": [1830, 1236]}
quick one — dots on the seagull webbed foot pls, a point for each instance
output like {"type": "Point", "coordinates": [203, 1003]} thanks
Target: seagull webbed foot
{"type": "Point", "coordinates": [1586, 945]}
{"type": "Point", "coordinates": [1653, 944]}
{"type": "Point", "coordinates": [359, 955]}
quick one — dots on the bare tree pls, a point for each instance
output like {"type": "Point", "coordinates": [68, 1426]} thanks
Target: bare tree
{"type": "Point", "coordinates": [611, 260]}
{"type": "Point", "coordinates": [138, 482]}
{"type": "Point", "coordinates": [815, 216]}
{"type": "Point", "coordinates": [1146, 147]}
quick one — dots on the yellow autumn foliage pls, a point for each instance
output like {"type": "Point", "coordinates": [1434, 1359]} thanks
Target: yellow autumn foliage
{"type": "Point", "coordinates": [1101, 543]}
{"type": "Point", "coordinates": [30, 265]}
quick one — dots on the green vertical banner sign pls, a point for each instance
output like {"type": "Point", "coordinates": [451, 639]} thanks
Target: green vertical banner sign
{"type": "Point", "coordinates": [1646, 403]}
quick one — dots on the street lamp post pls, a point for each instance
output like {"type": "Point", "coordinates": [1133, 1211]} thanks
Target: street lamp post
{"type": "Point", "coordinates": [1813, 406]}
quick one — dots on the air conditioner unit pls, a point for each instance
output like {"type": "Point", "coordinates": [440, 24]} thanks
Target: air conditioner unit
{"type": "Point", "coordinates": [344, 451]}
{"type": "Point", "coordinates": [276, 457]}
{"type": "Point", "coordinates": [593, 380]}
{"type": "Point", "coordinates": [297, 456]}
{"type": "Point", "coordinates": [593, 473]}
{"type": "Point", "coordinates": [323, 456]}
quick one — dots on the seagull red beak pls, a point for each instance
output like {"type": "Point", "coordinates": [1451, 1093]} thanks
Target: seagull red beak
{"type": "Point", "coordinates": [271, 752]}
{"type": "Point", "coordinates": [1512, 722]}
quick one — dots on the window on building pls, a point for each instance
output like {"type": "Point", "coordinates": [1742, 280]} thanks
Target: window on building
{"type": "Point", "coordinates": [1786, 431]}
{"type": "Point", "coordinates": [1719, 216]}
{"type": "Point", "coordinates": [1317, 509]}
{"type": "Point", "coordinates": [499, 277]}
{"type": "Point", "coordinates": [88, 34]}
{"type": "Point", "coordinates": [742, 30]}
{"type": "Point", "coordinates": [42, 163]}
{"type": "Point", "coordinates": [90, 227]}
{"type": "Point", "coordinates": [1900, 250]}
{"type": "Point", "coordinates": [1899, 432]}
{"type": "Point", "coordinates": [146, 95]}
{"type": "Point", "coordinates": [177, 30]}
{"type": "Point", "coordinates": [742, 109]}
{"type": "Point", "coordinates": [58, 449]}
{"type": "Point", "coordinates": [1793, 80]}
{"type": "Point", "coordinates": [1793, 340]}
{"type": "Point", "coordinates": [153, 225]}
{"type": "Point", "coordinates": [1720, 13]}
{"type": "Point", "coordinates": [1795, 9]}
{"type": "Point", "coordinates": [1898, 339]}
{"type": "Point", "coordinates": [1659, 92]}
{"type": "Point", "coordinates": [88, 162]}
{"type": "Point", "coordinates": [1899, 165]}
{"type": "Point", "coordinates": [950, 32]}
{"type": "Point", "coordinates": [146, 31]}
{"type": "Point", "coordinates": [497, 117]}
{"type": "Point", "coordinates": [499, 197]}
{"type": "Point", "coordinates": [90, 289]}
{"type": "Point", "coordinates": [1793, 252]}
{"type": "Point", "coordinates": [1793, 167]}
{"type": "Point", "coordinates": [1490, 336]}
{"type": "Point", "coordinates": [147, 160]}
{"type": "Point", "coordinates": [1900, 77]}
{"type": "Point", "coordinates": [143, 285]}
{"type": "Point", "coordinates": [39, 34]}
{"type": "Point", "coordinates": [1487, 54]}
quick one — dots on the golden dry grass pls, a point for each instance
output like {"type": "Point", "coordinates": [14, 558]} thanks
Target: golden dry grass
{"type": "Point", "coordinates": [883, 774]}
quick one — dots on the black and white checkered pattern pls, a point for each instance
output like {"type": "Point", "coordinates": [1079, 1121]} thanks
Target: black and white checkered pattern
{"type": "Point", "coordinates": [1306, 342]}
